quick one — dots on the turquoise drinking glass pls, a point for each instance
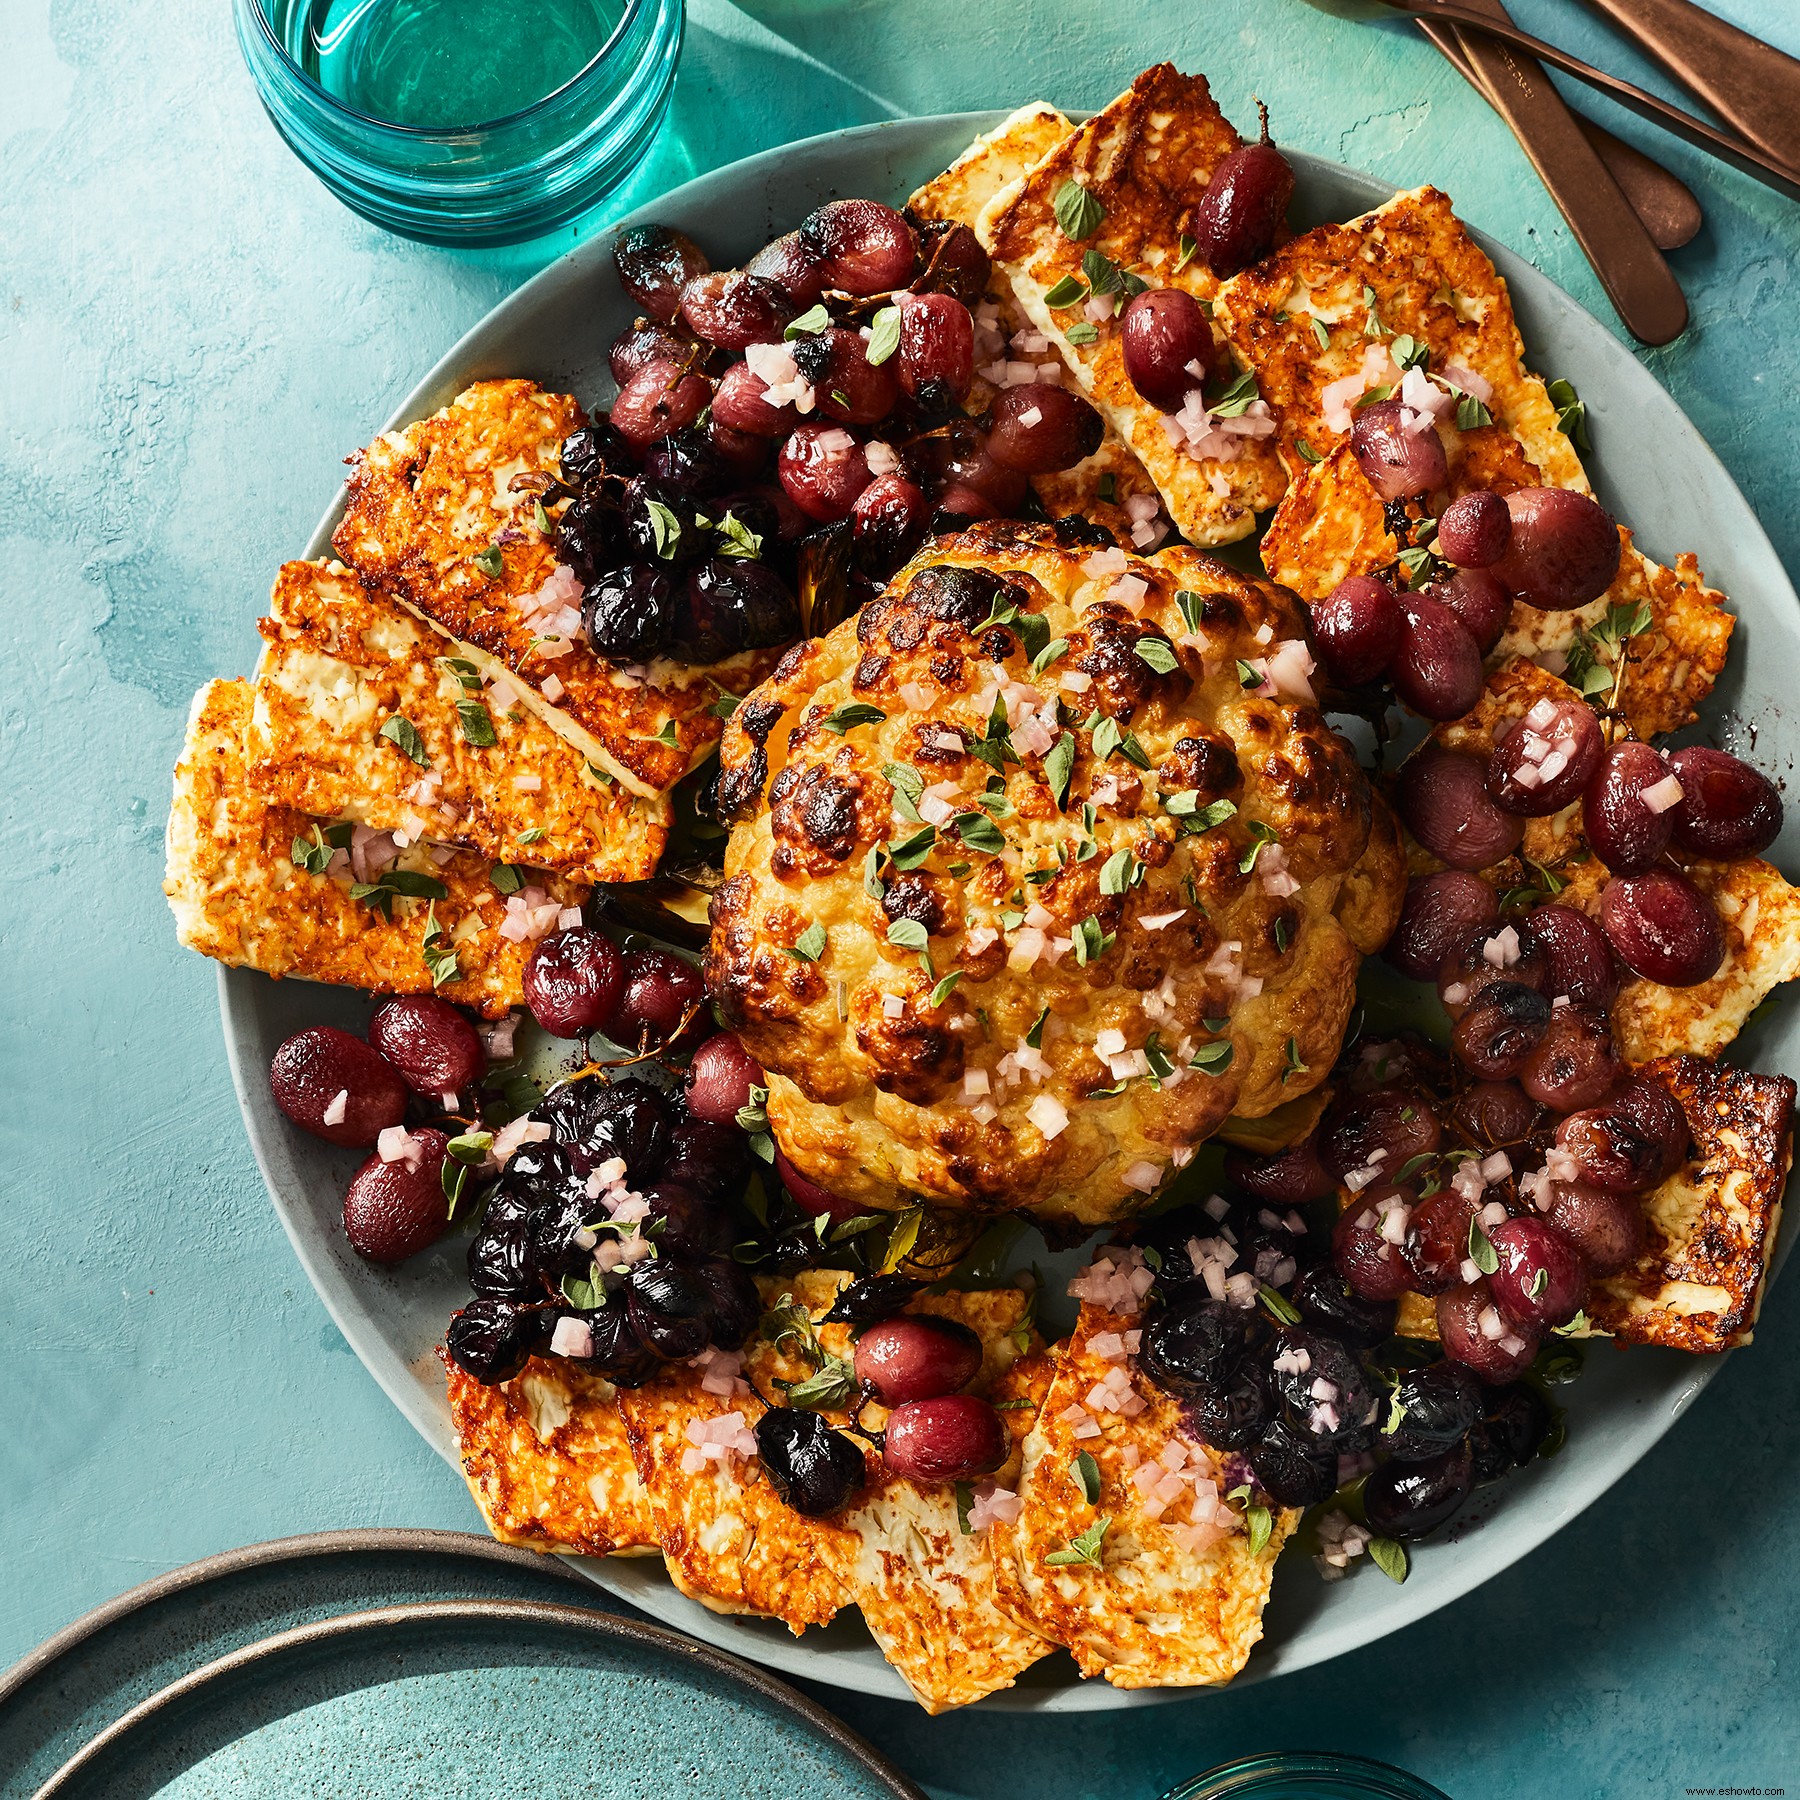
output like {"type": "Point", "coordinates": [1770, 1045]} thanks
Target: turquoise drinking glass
{"type": "Point", "coordinates": [465, 121]}
{"type": "Point", "coordinates": [1303, 1775]}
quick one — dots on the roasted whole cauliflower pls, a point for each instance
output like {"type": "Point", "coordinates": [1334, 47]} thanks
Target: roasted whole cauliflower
{"type": "Point", "coordinates": [1041, 867]}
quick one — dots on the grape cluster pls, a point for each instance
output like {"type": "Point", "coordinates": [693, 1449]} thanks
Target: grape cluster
{"type": "Point", "coordinates": [1300, 1382]}
{"type": "Point", "coordinates": [662, 1288]}
{"type": "Point", "coordinates": [822, 385]}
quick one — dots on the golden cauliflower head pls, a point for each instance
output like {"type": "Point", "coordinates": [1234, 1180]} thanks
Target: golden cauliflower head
{"type": "Point", "coordinates": [1040, 867]}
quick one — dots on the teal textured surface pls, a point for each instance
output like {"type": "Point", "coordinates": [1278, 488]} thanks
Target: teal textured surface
{"type": "Point", "coordinates": [191, 334]}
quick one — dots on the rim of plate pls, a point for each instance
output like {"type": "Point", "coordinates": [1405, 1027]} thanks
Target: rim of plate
{"type": "Point", "coordinates": [1481, 1556]}
{"type": "Point", "coordinates": [431, 1614]}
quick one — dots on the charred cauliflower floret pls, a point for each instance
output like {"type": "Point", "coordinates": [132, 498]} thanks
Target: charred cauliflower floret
{"type": "Point", "coordinates": [1040, 868]}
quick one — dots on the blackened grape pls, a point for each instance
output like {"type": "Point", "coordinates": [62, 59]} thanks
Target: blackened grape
{"type": "Point", "coordinates": [864, 247]}
{"type": "Point", "coordinates": [654, 263]}
{"type": "Point", "coordinates": [1291, 1467]}
{"type": "Point", "coordinates": [815, 1470]}
{"type": "Point", "coordinates": [1438, 1406]}
{"type": "Point", "coordinates": [728, 604]}
{"type": "Point", "coordinates": [1499, 1029]}
{"type": "Point", "coordinates": [847, 387]}
{"type": "Point", "coordinates": [955, 263]}
{"type": "Point", "coordinates": [492, 1339]}
{"type": "Point", "coordinates": [1188, 1344]}
{"type": "Point", "coordinates": [1412, 1499]}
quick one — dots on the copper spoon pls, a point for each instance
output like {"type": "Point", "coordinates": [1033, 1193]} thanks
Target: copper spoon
{"type": "Point", "coordinates": [1662, 200]}
{"type": "Point", "coordinates": [1748, 83]}
{"type": "Point", "coordinates": [1752, 161]}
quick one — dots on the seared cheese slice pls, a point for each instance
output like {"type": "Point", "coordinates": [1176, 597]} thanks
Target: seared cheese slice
{"type": "Point", "coordinates": [239, 897]}
{"type": "Point", "coordinates": [1144, 161]}
{"type": "Point", "coordinates": [1156, 1604]}
{"type": "Point", "coordinates": [339, 661]}
{"type": "Point", "coordinates": [431, 510]}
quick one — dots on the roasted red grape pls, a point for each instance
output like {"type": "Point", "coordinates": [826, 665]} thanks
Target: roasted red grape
{"type": "Point", "coordinates": [392, 1210]}
{"type": "Point", "coordinates": [1663, 927]}
{"type": "Point", "coordinates": [663, 1002]}
{"type": "Point", "coordinates": [1478, 600]}
{"type": "Point", "coordinates": [822, 470]}
{"type": "Point", "coordinates": [1727, 810]}
{"type": "Point", "coordinates": [1401, 463]}
{"type": "Point", "coordinates": [734, 309]}
{"type": "Point", "coordinates": [1398, 1123]}
{"type": "Point", "coordinates": [1167, 343]}
{"type": "Point", "coordinates": [974, 484]}
{"type": "Point", "coordinates": [863, 246]}
{"type": "Point", "coordinates": [1444, 800]}
{"type": "Point", "coordinates": [1439, 1244]}
{"type": "Point", "coordinates": [792, 267]}
{"type": "Point", "coordinates": [1576, 1064]}
{"type": "Point", "coordinates": [740, 401]}
{"type": "Point", "coordinates": [1578, 960]}
{"type": "Point", "coordinates": [1437, 668]}
{"type": "Point", "coordinates": [936, 359]}
{"type": "Point", "coordinates": [1628, 808]}
{"type": "Point", "coordinates": [646, 342]}
{"type": "Point", "coordinates": [1438, 913]}
{"type": "Point", "coordinates": [658, 399]}
{"type": "Point", "coordinates": [1367, 1239]}
{"type": "Point", "coordinates": [1475, 1333]}
{"type": "Point", "coordinates": [846, 385]}
{"type": "Point", "coordinates": [1499, 1029]}
{"type": "Point", "coordinates": [1290, 1177]}
{"type": "Point", "coordinates": [1240, 214]}
{"type": "Point", "coordinates": [1357, 626]}
{"type": "Point", "coordinates": [952, 1438]}
{"type": "Point", "coordinates": [1635, 1141]}
{"type": "Point", "coordinates": [433, 1046]}
{"type": "Point", "coordinates": [1545, 760]}
{"type": "Point", "coordinates": [890, 519]}
{"type": "Point", "coordinates": [1039, 428]}
{"type": "Point", "coordinates": [1564, 549]}
{"type": "Point", "coordinates": [1474, 530]}
{"type": "Point", "coordinates": [1496, 1113]}
{"type": "Point", "coordinates": [720, 1078]}
{"type": "Point", "coordinates": [1481, 959]}
{"type": "Point", "coordinates": [916, 1357]}
{"type": "Point", "coordinates": [573, 981]}
{"type": "Point", "coordinates": [1607, 1228]}
{"type": "Point", "coordinates": [336, 1087]}
{"type": "Point", "coordinates": [1541, 1280]}
{"type": "Point", "coordinates": [655, 262]}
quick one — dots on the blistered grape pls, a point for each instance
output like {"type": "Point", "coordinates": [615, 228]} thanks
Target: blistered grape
{"type": "Point", "coordinates": [1578, 960]}
{"type": "Point", "coordinates": [1607, 1228]}
{"type": "Point", "coordinates": [1727, 809]}
{"type": "Point", "coordinates": [1481, 959]}
{"type": "Point", "coordinates": [1399, 1122]}
{"type": "Point", "coordinates": [1478, 600]}
{"type": "Point", "coordinates": [1367, 1239]}
{"type": "Point", "coordinates": [1437, 668]}
{"type": "Point", "coordinates": [1241, 212]}
{"type": "Point", "coordinates": [1439, 911]}
{"type": "Point", "coordinates": [573, 981]}
{"type": "Point", "coordinates": [955, 263]}
{"type": "Point", "coordinates": [1545, 760]}
{"type": "Point", "coordinates": [1663, 927]}
{"type": "Point", "coordinates": [654, 263]}
{"type": "Point", "coordinates": [1290, 1177]}
{"type": "Point", "coordinates": [647, 341]}
{"type": "Point", "coordinates": [1626, 809]}
{"type": "Point", "coordinates": [1474, 529]}
{"type": "Point", "coordinates": [936, 358]}
{"type": "Point", "coordinates": [1168, 346]}
{"type": "Point", "coordinates": [864, 247]}
{"type": "Point", "coordinates": [1499, 1029]}
{"type": "Point", "coordinates": [795, 269]}
{"type": "Point", "coordinates": [1563, 551]}
{"type": "Point", "coordinates": [846, 386]}
{"type": "Point", "coordinates": [661, 397]}
{"type": "Point", "coordinates": [889, 520]}
{"type": "Point", "coordinates": [822, 470]}
{"type": "Point", "coordinates": [323, 1070]}
{"type": "Point", "coordinates": [1496, 1113]}
{"type": "Point", "coordinates": [1632, 1143]}
{"type": "Point", "coordinates": [734, 309]}
{"type": "Point", "coordinates": [1401, 463]}
{"type": "Point", "coordinates": [434, 1047]}
{"type": "Point", "coordinates": [1439, 1243]}
{"type": "Point", "coordinates": [1576, 1064]}
{"type": "Point", "coordinates": [741, 402]}
{"type": "Point", "coordinates": [1475, 1333]}
{"type": "Point", "coordinates": [1039, 428]}
{"type": "Point", "coordinates": [1444, 800]}
{"type": "Point", "coordinates": [1357, 626]}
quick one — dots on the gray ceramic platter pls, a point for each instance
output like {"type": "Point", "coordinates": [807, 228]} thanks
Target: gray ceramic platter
{"type": "Point", "coordinates": [1651, 467]}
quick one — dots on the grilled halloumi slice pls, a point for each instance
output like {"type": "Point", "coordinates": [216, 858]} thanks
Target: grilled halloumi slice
{"type": "Point", "coordinates": [1148, 1612]}
{"type": "Point", "coordinates": [1674, 662]}
{"type": "Point", "coordinates": [546, 1458]}
{"type": "Point", "coordinates": [238, 896]}
{"type": "Point", "coordinates": [1304, 316]}
{"type": "Point", "coordinates": [426, 502]}
{"type": "Point", "coordinates": [1760, 911]}
{"type": "Point", "coordinates": [1099, 486]}
{"type": "Point", "coordinates": [1713, 1225]}
{"type": "Point", "coordinates": [1145, 161]}
{"type": "Point", "coordinates": [339, 661]}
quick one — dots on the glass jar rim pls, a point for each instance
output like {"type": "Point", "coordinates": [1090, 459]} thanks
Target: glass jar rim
{"type": "Point", "coordinates": [441, 133]}
{"type": "Point", "coordinates": [1259, 1774]}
